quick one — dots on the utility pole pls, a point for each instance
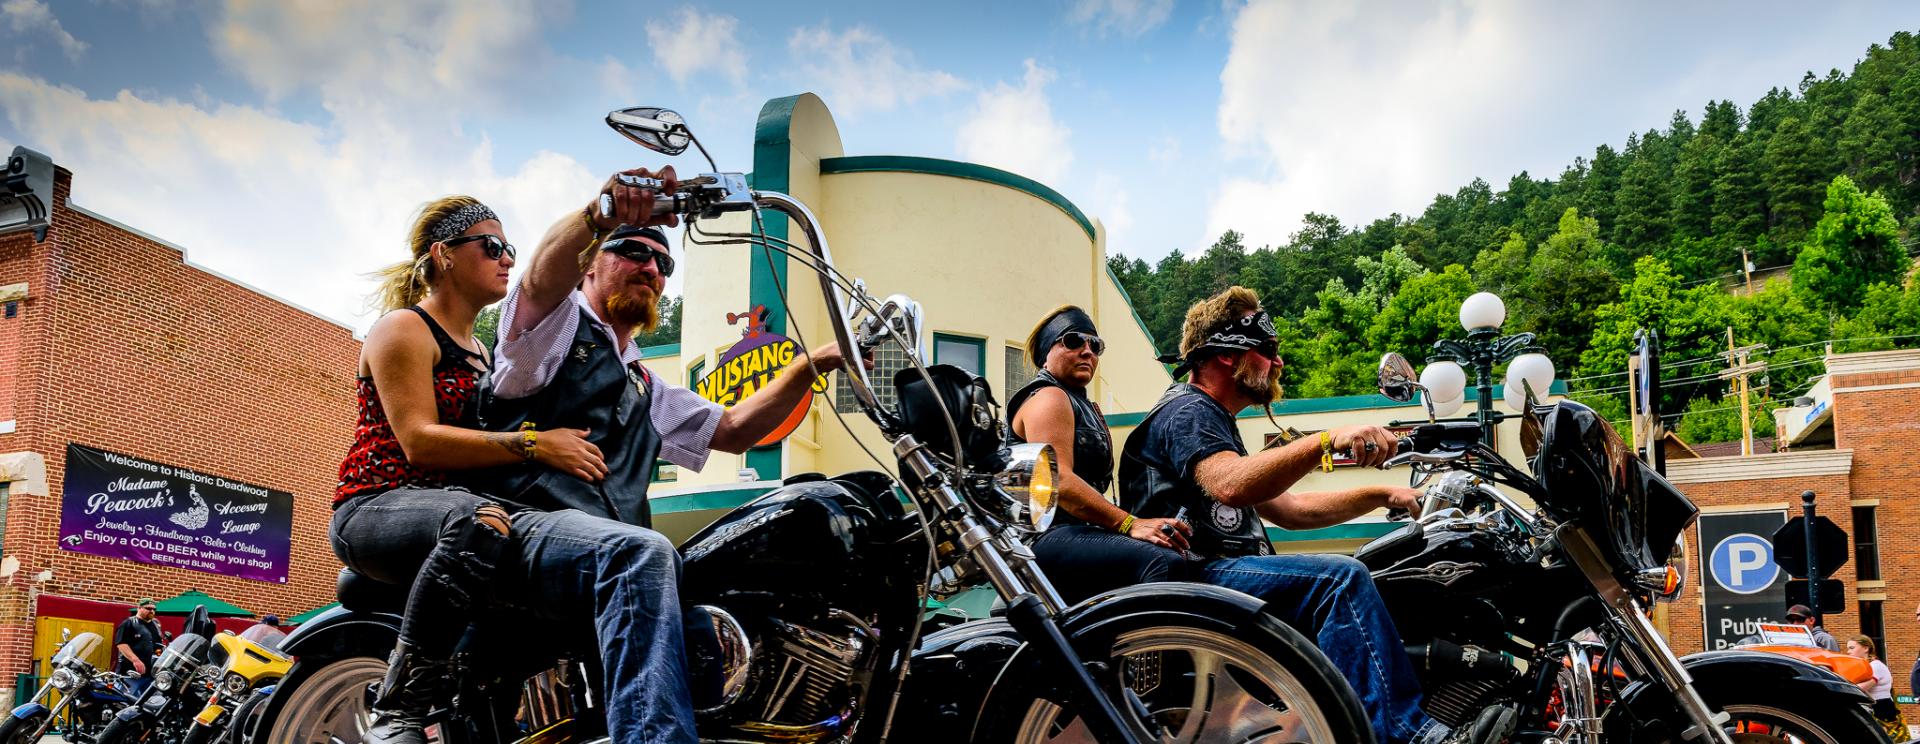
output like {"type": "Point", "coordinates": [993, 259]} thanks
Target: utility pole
{"type": "Point", "coordinates": [1746, 267]}
{"type": "Point", "coordinates": [1738, 367]}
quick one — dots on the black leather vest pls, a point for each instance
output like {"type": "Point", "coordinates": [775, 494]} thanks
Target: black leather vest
{"type": "Point", "coordinates": [1152, 488]}
{"type": "Point", "coordinates": [594, 391]}
{"type": "Point", "coordinates": [1092, 445]}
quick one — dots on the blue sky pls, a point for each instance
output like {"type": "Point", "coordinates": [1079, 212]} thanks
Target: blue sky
{"type": "Point", "coordinates": [286, 143]}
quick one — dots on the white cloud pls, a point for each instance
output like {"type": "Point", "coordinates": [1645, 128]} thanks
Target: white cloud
{"type": "Point", "coordinates": [366, 55]}
{"type": "Point", "coordinates": [694, 42]}
{"type": "Point", "coordinates": [305, 209]}
{"type": "Point", "coordinates": [858, 70]}
{"type": "Point", "coordinates": [32, 16]}
{"type": "Point", "coordinates": [1127, 17]}
{"type": "Point", "coordinates": [1358, 116]}
{"type": "Point", "coordinates": [1014, 129]}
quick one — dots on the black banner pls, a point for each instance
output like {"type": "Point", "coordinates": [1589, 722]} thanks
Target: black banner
{"type": "Point", "coordinates": [125, 507]}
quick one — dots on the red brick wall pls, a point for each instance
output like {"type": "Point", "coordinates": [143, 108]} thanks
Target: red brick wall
{"type": "Point", "coordinates": [1833, 499]}
{"type": "Point", "coordinates": [124, 347]}
{"type": "Point", "coordinates": [1882, 428]}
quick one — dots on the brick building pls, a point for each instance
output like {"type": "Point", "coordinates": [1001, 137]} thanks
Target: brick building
{"type": "Point", "coordinates": [112, 340]}
{"type": "Point", "coordinates": [1853, 442]}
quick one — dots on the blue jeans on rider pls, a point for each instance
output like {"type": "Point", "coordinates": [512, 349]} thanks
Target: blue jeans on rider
{"type": "Point", "coordinates": [1331, 598]}
{"type": "Point", "coordinates": [574, 569]}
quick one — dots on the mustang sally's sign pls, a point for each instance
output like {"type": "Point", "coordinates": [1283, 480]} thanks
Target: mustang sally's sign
{"type": "Point", "coordinates": [750, 365]}
{"type": "Point", "coordinates": [124, 507]}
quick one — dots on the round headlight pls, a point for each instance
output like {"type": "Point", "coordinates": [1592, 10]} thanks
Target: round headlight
{"type": "Point", "coordinates": [163, 680]}
{"type": "Point", "coordinates": [236, 684]}
{"type": "Point", "coordinates": [1032, 477]}
{"type": "Point", "coordinates": [64, 679]}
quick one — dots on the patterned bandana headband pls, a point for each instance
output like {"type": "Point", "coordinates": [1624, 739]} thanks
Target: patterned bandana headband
{"type": "Point", "coordinates": [1252, 333]}
{"type": "Point", "coordinates": [465, 217]}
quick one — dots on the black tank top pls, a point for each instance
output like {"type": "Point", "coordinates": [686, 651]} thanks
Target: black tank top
{"type": "Point", "coordinates": [1092, 445]}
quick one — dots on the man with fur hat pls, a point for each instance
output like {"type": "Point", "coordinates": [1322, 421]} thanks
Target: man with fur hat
{"type": "Point", "coordinates": [1187, 456]}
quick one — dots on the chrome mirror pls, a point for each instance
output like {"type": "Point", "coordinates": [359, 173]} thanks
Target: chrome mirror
{"type": "Point", "coordinates": [657, 129]}
{"type": "Point", "coordinates": [1397, 380]}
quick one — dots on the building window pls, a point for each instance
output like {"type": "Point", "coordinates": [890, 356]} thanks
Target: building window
{"type": "Point", "coordinates": [1019, 368]}
{"type": "Point", "coordinates": [1872, 625]}
{"type": "Point", "coordinates": [4, 499]}
{"type": "Point", "coordinates": [966, 353]}
{"type": "Point", "coordinates": [1866, 544]}
{"type": "Point", "coordinates": [888, 360]}
{"type": "Point", "coordinates": [695, 372]}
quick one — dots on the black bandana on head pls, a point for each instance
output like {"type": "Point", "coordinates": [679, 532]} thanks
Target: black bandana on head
{"type": "Point", "coordinates": [465, 217]}
{"type": "Point", "coordinates": [1252, 333]}
{"type": "Point", "coordinates": [1070, 319]}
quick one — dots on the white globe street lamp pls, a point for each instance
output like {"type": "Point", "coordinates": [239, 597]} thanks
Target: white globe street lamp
{"type": "Point", "coordinates": [1483, 312]}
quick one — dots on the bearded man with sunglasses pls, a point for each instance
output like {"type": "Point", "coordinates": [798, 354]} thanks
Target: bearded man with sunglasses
{"type": "Point", "coordinates": [1187, 457]}
{"type": "Point", "coordinates": [586, 556]}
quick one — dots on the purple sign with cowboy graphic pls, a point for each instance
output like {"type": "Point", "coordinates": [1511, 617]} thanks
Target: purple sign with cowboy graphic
{"type": "Point", "coordinates": [124, 507]}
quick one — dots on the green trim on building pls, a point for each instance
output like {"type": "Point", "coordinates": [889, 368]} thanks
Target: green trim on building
{"type": "Point", "coordinates": [1348, 531]}
{"type": "Point", "coordinates": [728, 498]}
{"type": "Point", "coordinates": [955, 169]}
{"type": "Point", "coordinates": [772, 170]}
{"type": "Point", "coordinates": [660, 350]}
{"type": "Point", "coordinates": [1319, 405]}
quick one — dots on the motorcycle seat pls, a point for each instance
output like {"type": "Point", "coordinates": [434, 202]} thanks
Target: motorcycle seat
{"type": "Point", "coordinates": [362, 594]}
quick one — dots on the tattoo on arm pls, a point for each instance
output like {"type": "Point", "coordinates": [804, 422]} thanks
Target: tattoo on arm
{"type": "Point", "coordinates": [509, 441]}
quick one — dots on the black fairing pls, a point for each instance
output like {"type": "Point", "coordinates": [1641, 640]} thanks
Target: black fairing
{"type": "Point", "coordinates": [832, 537]}
{"type": "Point", "coordinates": [1588, 475]}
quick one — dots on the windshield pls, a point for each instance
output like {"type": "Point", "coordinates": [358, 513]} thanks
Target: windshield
{"type": "Point", "coordinates": [79, 647]}
{"type": "Point", "coordinates": [184, 652]}
{"type": "Point", "coordinates": [1588, 474]}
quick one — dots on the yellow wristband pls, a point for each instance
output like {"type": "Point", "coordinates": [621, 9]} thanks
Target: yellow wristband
{"type": "Point", "coordinates": [527, 439]}
{"type": "Point", "coordinates": [598, 234]}
{"type": "Point", "coordinates": [1326, 452]}
{"type": "Point", "coordinates": [1126, 526]}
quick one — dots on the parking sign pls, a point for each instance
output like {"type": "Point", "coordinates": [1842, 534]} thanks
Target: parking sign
{"type": "Point", "coordinates": [1743, 586]}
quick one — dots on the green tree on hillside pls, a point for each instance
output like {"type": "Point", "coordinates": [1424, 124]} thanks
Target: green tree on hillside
{"type": "Point", "coordinates": [1855, 244]}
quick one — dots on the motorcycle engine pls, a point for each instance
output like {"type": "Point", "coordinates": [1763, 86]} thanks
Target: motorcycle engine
{"type": "Point", "coordinates": [800, 680]}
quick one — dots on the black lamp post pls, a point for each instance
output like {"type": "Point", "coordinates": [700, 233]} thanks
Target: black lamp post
{"type": "Point", "coordinates": [1483, 349]}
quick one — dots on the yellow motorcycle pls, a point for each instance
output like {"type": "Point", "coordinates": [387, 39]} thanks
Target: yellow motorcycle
{"type": "Point", "coordinates": [248, 671]}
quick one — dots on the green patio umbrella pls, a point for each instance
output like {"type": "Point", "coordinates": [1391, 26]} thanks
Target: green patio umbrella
{"type": "Point", "coordinates": [192, 598]}
{"type": "Point", "coordinates": [309, 615]}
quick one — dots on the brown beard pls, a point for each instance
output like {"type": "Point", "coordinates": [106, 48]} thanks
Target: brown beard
{"type": "Point", "coordinates": [643, 314]}
{"type": "Point", "coordinates": [1262, 390]}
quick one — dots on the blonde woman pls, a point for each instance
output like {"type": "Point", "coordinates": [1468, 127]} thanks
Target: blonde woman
{"type": "Point", "coordinates": [1880, 688]}
{"type": "Point", "coordinates": [397, 518]}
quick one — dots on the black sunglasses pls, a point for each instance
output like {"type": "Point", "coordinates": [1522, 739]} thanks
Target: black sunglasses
{"type": "Point", "coordinates": [640, 251]}
{"type": "Point", "coordinates": [495, 246]}
{"type": "Point", "coordinates": [1073, 340]}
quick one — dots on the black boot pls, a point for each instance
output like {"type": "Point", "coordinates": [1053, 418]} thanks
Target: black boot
{"type": "Point", "coordinates": [1492, 726]}
{"type": "Point", "coordinates": [412, 686]}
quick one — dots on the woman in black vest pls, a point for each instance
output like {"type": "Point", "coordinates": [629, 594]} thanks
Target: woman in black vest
{"type": "Point", "coordinates": [1093, 545]}
{"type": "Point", "coordinates": [397, 518]}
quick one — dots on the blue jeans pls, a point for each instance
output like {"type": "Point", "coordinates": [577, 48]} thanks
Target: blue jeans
{"type": "Point", "coordinates": [571, 567]}
{"type": "Point", "coordinates": [1331, 598]}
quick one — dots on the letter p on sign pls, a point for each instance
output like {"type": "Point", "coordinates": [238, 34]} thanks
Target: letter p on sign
{"type": "Point", "coordinates": [1743, 564]}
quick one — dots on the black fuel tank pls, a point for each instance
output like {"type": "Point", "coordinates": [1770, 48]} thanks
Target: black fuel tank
{"type": "Point", "coordinates": [809, 533]}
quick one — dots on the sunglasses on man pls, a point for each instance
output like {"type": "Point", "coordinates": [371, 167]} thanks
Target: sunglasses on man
{"type": "Point", "coordinates": [494, 246]}
{"type": "Point", "coordinates": [639, 251]}
{"type": "Point", "coordinates": [1073, 340]}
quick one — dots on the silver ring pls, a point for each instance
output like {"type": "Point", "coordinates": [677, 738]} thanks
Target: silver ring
{"type": "Point", "coordinates": [1368, 445]}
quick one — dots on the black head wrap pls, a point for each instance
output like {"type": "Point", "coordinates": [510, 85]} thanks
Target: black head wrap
{"type": "Point", "coordinates": [1252, 333]}
{"type": "Point", "coordinates": [458, 221]}
{"type": "Point", "coordinates": [1066, 319]}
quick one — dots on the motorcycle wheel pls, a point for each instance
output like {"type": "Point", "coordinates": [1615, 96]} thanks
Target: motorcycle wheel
{"type": "Point", "coordinates": [1776, 717]}
{"type": "Point", "coordinates": [326, 703]}
{"type": "Point", "coordinates": [240, 724]}
{"type": "Point", "coordinates": [126, 731]}
{"type": "Point", "coordinates": [20, 730]}
{"type": "Point", "coordinates": [1197, 684]}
